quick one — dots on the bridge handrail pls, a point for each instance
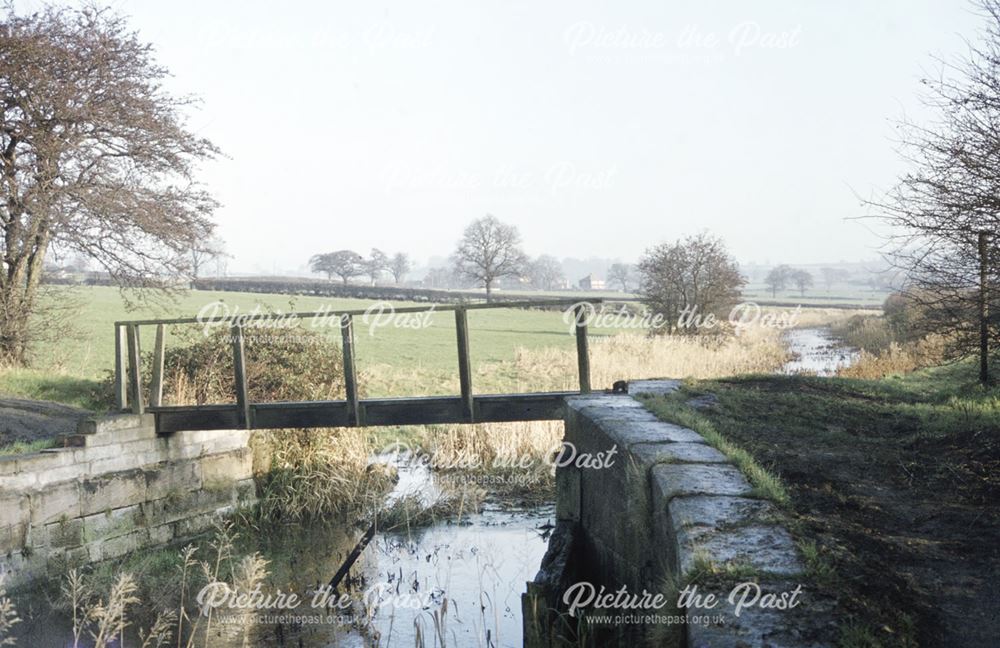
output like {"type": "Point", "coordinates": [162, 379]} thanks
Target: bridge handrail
{"type": "Point", "coordinates": [128, 370]}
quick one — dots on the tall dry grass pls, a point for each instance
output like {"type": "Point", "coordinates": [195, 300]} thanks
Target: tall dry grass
{"type": "Point", "coordinates": [630, 357]}
{"type": "Point", "coordinates": [896, 359]}
{"type": "Point", "coordinates": [8, 616]}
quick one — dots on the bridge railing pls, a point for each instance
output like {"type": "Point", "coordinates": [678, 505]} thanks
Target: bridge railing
{"type": "Point", "coordinates": [130, 396]}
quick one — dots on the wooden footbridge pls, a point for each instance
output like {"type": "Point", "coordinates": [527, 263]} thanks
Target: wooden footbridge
{"type": "Point", "coordinates": [241, 413]}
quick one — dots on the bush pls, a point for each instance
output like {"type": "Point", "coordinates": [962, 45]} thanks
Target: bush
{"type": "Point", "coordinates": [288, 365]}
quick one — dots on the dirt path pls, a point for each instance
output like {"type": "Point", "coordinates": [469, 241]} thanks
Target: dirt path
{"type": "Point", "coordinates": [28, 420]}
{"type": "Point", "coordinates": [907, 516]}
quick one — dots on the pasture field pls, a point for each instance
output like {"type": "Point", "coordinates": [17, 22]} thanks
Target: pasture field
{"type": "Point", "coordinates": [512, 349]}
{"type": "Point", "coordinates": [818, 295]}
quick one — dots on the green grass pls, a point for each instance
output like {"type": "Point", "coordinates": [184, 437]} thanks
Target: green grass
{"type": "Point", "coordinates": [26, 447]}
{"type": "Point", "coordinates": [672, 408]}
{"type": "Point", "coordinates": [69, 370]}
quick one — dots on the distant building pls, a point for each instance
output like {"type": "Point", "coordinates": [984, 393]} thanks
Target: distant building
{"type": "Point", "coordinates": [590, 282]}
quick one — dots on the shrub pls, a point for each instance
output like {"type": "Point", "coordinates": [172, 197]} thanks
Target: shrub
{"type": "Point", "coordinates": [287, 365]}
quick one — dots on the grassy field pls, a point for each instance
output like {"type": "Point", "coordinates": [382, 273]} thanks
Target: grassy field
{"type": "Point", "coordinates": [890, 484]}
{"type": "Point", "coordinates": [523, 350]}
{"type": "Point", "coordinates": [68, 369]}
{"type": "Point", "coordinates": [818, 296]}
{"type": "Point", "coordinates": [512, 349]}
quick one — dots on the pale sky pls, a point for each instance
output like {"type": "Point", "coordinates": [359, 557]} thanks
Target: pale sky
{"type": "Point", "coordinates": [597, 128]}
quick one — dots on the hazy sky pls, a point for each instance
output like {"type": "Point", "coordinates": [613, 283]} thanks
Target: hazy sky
{"type": "Point", "coordinates": [597, 128]}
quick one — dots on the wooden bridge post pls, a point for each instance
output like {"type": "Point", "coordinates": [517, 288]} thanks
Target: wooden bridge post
{"type": "Point", "coordinates": [464, 363]}
{"type": "Point", "coordinates": [121, 373]}
{"type": "Point", "coordinates": [134, 370]}
{"type": "Point", "coordinates": [240, 377]}
{"type": "Point", "coordinates": [354, 413]}
{"type": "Point", "coordinates": [582, 350]}
{"type": "Point", "coordinates": [156, 384]}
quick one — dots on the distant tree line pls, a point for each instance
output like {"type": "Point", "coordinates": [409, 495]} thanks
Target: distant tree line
{"type": "Point", "coordinates": [348, 264]}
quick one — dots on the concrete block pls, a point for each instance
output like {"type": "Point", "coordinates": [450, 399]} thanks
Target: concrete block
{"type": "Point", "coordinates": [13, 537]}
{"type": "Point", "coordinates": [631, 432]}
{"type": "Point", "coordinates": [226, 468]}
{"type": "Point", "coordinates": [52, 476]}
{"type": "Point", "coordinates": [18, 481]}
{"type": "Point", "coordinates": [14, 508]}
{"type": "Point", "coordinates": [118, 546]}
{"type": "Point", "coordinates": [652, 387]}
{"type": "Point", "coordinates": [172, 478]}
{"type": "Point", "coordinates": [64, 534]}
{"type": "Point", "coordinates": [654, 453]}
{"type": "Point", "coordinates": [54, 503]}
{"type": "Point", "coordinates": [115, 422]}
{"type": "Point", "coordinates": [675, 480]}
{"type": "Point", "coordinates": [568, 494]}
{"type": "Point", "coordinates": [113, 523]}
{"type": "Point", "coordinates": [720, 512]}
{"type": "Point", "coordinates": [769, 549]}
{"type": "Point", "coordinates": [99, 494]}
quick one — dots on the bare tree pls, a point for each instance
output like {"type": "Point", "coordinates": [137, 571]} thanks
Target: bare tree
{"type": "Point", "coordinates": [546, 273]}
{"type": "Point", "coordinates": [620, 274]}
{"type": "Point", "coordinates": [945, 213]}
{"type": "Point", "coordinates": [833, 275]}
{"type": "Point", "coordinates": [778, 278]}
{"type": "Point", "coordinates": [696, 273]}
{"type": "Point", "coordinates": [205, 252]}
{"type": "Point", "coordinates": [343, 263]}
{"type": "Point", "coordinates": [399, 266]}
{"type": "Point", "coordinates": [801, 279]}
{"type": "Point", "coordinates": [376, 263]}
{"type": "Point", "coordinates": [94, 158]}
{"type": "Point", "coordinates": [489, 250]}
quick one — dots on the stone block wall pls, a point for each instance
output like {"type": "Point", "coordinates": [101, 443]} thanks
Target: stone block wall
{"type": "Point", "coordinates": [669, 502]}
{"type": "Point", "coordinates": [116, 487]}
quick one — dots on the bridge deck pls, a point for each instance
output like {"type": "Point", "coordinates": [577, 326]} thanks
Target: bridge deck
{"type": "Point", "coordinates": [424, 410]}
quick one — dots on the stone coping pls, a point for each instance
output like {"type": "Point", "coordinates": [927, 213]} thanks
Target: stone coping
{"type": "Point", "coordinates": [705, 511]}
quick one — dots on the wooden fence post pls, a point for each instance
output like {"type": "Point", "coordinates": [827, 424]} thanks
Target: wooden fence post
{"type": "Point", "coordinates": [156, 384]}
{"type": "Point", "coordinates": [240, 377]}
{"type": "Point", "coordinates": [464, 363]}
{"type": "Point", "coordinates": [121, 372]}
{"type": "Point", "coordinates": [354, 413]}
{"type": "Point", "coordinates": [582, 350]}
{"type": "Point", "coordinates": [135, 370]}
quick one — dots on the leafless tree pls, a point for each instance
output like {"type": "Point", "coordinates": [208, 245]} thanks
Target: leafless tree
{"type": "Point", "coordinates": [801, 279]}
{"type": "Point", "coordinates": [945, 213]}
{"type": "Point", "coordinates": [489, 250]}
{"type": "Point", "coordinates": [620, 274]}
{"type": "Point", "coordinates": [545, 273]}
{"type": "Point", "coordinates": [399, 266]}
{"type": "Point", "coordinates": [778, 278]}
{"type": "Point", "coordinates": [204, 252]}
{"type": "Point", "coordinates": [696, 273]}
{"type": "Point", "coordinates": [343, 263]}
{"type": "Point", "coordinates": [95, 158]}
{"type": "Point", "coordinates": [376, 263]}
{"type": "Point", "coordinates": [833, 275]}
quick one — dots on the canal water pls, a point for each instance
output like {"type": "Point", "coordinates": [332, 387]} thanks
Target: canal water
{"type": "Point", "coordinates": [816, 351]}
